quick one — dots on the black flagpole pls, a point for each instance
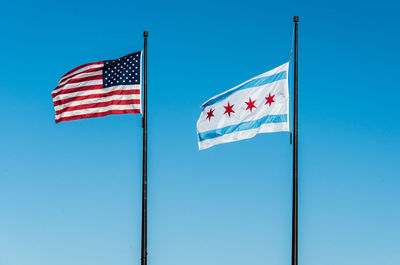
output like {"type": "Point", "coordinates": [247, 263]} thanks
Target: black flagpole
{"type": "Point", "coordinates": [295, 156]}
{"type": "Point", "coordinates": [144, 182]}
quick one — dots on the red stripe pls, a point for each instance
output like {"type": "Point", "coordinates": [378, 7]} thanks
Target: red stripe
{"type": "Point", "coordinates": [84, 72]}
{"type": "Point", "coordinates": [99, 114]}
{"type": "Point", "coordinates": [82, 79]}
{"type": "Point", "coordinates": [99, 105]}
{"type": "Point", "coordinates": [80, 67]}
{"type": "Point", "coordinates": [77, 89]}
{"type": "Point", "coordinates": [112, 93]}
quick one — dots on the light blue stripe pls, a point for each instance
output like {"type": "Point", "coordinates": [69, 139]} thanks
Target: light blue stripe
{"type": "Point", "coordinates": [247, 125]}
{"type": "Point", "coordinates": [253, 83]}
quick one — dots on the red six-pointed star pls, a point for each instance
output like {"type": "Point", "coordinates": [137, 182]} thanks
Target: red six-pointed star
{"type": "Point", "coordinates": [210, 114]}
{"type": "Point", "coordinates": [228, 109]}
{"type": "Point", "coordinates": [270, 99]}
{"type": "Point", "coordinates": [250, 105]}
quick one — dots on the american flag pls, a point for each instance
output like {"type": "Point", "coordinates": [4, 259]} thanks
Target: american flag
{"type": "Point", "coordinates": [99, 89]}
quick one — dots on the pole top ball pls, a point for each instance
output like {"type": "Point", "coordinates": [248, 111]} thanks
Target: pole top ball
{"type": "Point", "coordinates": [296, 19]}
{"type": "Point", "coordinates": [145, 34]}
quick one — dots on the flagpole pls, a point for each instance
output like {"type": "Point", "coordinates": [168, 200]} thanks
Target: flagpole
{"type": "Point", "coordinates": [295, 155]}
{"type": "Point", "coordinates": [144, 181]}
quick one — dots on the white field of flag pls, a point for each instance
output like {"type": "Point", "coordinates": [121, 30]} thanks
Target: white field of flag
{"type": "Point", "coordinates": [259, 105]}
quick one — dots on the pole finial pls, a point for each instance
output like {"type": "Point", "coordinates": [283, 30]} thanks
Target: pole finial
{"type": "Point", "coordinates": [296, 19]}
{"type": "Point", "coordinates": [145, 34]}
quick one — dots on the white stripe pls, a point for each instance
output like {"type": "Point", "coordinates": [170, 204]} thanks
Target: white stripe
{"type": "Point", "coordinates": [269, 73]}
{"type": "Point", "coordinates": [82, 70]}
{"type": "Point", "coordinates": [96, 100]}
{"type": "Point", "coordinates": [241, 135]}
{"type": "Point", "coordinates": [81, 76]}
{"type": "Point", "coordinates": [98, 110]}
{"type": "Point", "coordinates": [80, 84]}
{"type": "Point", "coordinates": [96, 91]}
{"type": "Point", "coordinates": [278, 88]}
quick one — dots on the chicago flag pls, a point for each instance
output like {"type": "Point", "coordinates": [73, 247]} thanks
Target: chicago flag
{"type": "Point", "coordinates": [259, 105]}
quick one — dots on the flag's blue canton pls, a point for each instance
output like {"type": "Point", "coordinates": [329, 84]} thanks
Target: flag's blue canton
{"type": "Point", "coordinates": [122, 71]}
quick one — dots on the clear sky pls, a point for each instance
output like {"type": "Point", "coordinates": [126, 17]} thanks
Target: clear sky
{"type": "Point", "coordinates": [71, 193]}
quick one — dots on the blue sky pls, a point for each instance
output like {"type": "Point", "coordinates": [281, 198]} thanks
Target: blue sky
{"type": "Point", "coordinates": [70, 193]}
